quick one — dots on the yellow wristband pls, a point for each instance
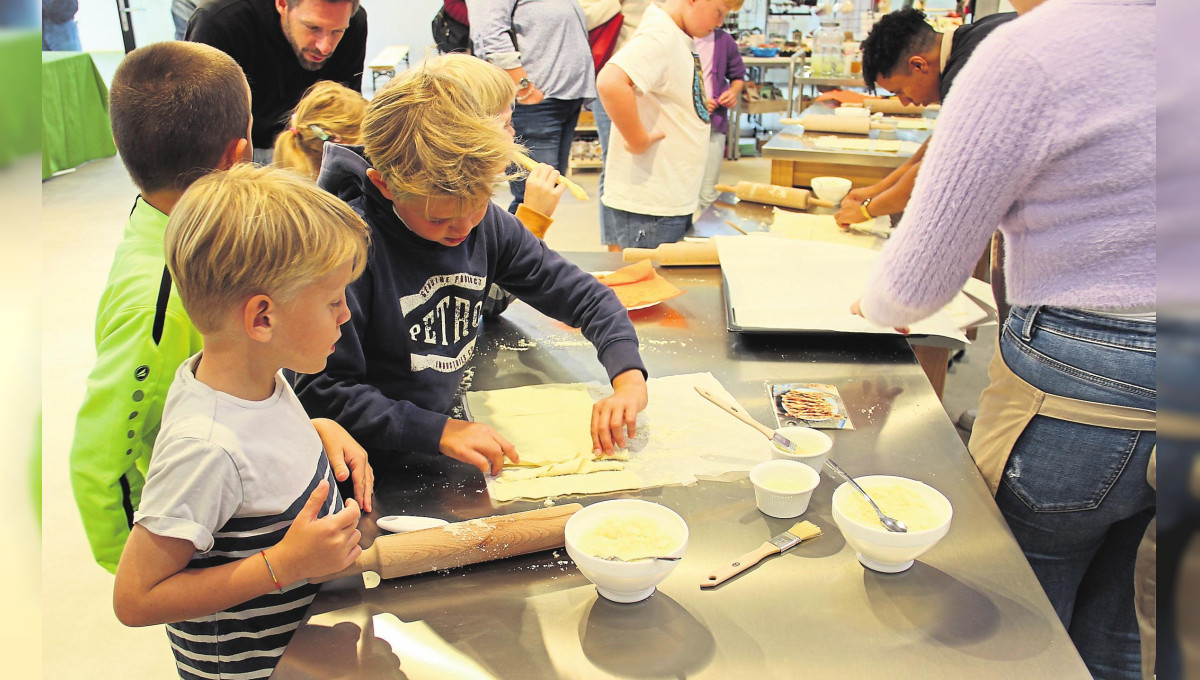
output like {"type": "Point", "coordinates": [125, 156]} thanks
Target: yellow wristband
{"type": "Point", "coordinates": [866, 214]}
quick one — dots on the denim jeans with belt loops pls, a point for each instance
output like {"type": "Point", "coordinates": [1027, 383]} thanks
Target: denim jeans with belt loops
{"type": "Point", "coordinates": [1074, 495]}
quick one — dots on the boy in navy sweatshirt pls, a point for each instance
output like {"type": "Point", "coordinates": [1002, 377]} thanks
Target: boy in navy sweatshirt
{"type": "Point", "coordinates": [423, 182]}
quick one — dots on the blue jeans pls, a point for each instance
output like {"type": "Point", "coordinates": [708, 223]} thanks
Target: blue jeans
{"type": "Point", "coordinates": [547, 130]}
{"type": "Point", "coordinates": [603, 130]}
{"type": "Point", "coordinates": [1074, 495]}
{"type": "Point", "coordinates": [62, 37]}
{"type": "Point", "coordinates": [635, 230]}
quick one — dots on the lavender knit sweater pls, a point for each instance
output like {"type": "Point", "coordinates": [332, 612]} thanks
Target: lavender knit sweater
{"type": "Point", "coordinates": [1049, 132]}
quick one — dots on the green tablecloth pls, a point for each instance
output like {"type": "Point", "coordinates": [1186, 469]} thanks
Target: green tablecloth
{"type": "Point", "coordinates": [74, 112]}
{"type": "Point", "coordinates": [19, 125]}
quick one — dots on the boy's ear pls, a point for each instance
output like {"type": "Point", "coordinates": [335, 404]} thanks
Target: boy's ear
{"type": "Point", "coordinates": [238, 151]}
{"type": "Point", "coordinates": [377, 180]}
{"type": "Point", "coordinates": [918, 63]}
{"type": "Point", "coordinates": [258, 318]}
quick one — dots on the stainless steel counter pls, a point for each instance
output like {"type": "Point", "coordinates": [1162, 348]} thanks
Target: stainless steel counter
{"type": "Point", "coordinates": [970, 608]}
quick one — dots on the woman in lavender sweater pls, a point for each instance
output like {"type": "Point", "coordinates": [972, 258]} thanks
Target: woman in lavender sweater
{"type": "Point", "coordinates": [1049, 133]}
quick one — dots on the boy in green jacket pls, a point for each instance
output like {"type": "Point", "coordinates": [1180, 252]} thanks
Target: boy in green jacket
{"type": "Point", "coordinates": [179, 111]}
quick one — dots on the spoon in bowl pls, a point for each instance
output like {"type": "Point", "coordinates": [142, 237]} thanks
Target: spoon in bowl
{"type": "Point", "coordinates": [889, 523]}
{"type": "Point", "coordinates": [614, 558]}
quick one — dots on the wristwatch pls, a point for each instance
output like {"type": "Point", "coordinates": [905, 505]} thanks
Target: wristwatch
{"type": "Point", "coordinates": [523, 83]}
{"type": "Point", "coordinates": [863, 207]}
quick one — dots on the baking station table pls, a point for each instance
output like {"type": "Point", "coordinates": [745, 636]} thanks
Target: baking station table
{"type": "Point", "coordinates": [969, 608]}
{"type": "Point", "coordinates": [796, 158]}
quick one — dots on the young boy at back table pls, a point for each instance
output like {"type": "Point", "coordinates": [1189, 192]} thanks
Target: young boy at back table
{"type": "Point", "coordinates": [653, 92]}
{"type": "Point", "coordinates": [179, 111]}
{"type": "Point", "coordinates": [439, 242]}
{"type": "Point", "coordinates": [240, 506]}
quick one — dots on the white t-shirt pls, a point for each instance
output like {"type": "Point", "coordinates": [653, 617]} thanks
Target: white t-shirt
{"type": "Point", "coordinates": [230, 476]}
{"type": "Point", "coordinates": [665, 179]}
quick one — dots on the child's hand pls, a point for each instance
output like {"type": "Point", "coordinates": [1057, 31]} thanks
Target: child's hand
{"type": "Point", "coordinates": [476, 444]}
{"type": "Point", "coordinates": [542, 189]}
{"type": "Point", "coordinates": [651, 138]}
{"type": "Point", "coordinates": [710, 104]}
{"type": "Point", "coordinates": [347, 459]}
{"type": "Point", "coordinates": [316, 547]}
{"type": "Point", "coordinates": [611, 417]}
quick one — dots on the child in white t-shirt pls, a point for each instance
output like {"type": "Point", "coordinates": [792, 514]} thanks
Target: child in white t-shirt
{"type": "Point", "coordinates": [240, 507]}
{"type": "Point", "coordinates": [653, 92]}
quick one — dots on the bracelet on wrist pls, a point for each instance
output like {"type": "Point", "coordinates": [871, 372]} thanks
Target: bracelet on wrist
{"type": "Point", "coordinates": [271, 570]}
{"type": "Point", "coordinates": [863, 208]}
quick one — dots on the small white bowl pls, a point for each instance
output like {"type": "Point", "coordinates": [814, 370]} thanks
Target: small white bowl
{"type": "Point", "coordinates": [832, 189]}
{"type": "Point", "coordinates": [882, 550]}
{"type": "Point", "coordinates": [625, 581]}
{"type": "Point", "coordinates": [812, 446]}
{"type": "Point", "coordinates": [782, 488]}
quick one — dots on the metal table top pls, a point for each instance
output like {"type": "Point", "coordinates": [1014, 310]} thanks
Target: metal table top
{"type": "Point", "coordinates": [971, 607]}
{"type": "Point", "coordinates": [796, 144]}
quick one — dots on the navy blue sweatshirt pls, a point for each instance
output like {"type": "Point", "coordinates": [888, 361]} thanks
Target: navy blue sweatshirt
{"type": "Point", "coordinates": [415, 315]}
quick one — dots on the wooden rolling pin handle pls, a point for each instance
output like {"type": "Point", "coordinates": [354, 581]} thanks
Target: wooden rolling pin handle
{"type": "Point", "coordinates": [677, 254]}
{"type": "Point", "coordinates": [723, 574]}
{"type": "Point", "coordinates": [463, 543]}
{"type": "Point", "coordinates": [726, 187]}
{"type": "Point", "coordinates": [820, 202]}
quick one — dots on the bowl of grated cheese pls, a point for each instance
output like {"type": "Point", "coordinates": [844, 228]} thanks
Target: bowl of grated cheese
{"type": "Point", "coordinates": [922, 508]}
{"type": "Point", "coordinates": [612, 543]}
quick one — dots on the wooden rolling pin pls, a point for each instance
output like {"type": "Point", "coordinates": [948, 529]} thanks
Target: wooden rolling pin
{"type": "Point", "coordinates": [677, 254]}
{"type": "Point", "coordinates": [773, 194]}
{"type": "Point", "coordinates": [463, 543]}
{"type": "Point", "coordinates": [854, 125]}
{"type": "Point", "coordinates": [890, 106]}
{"type": "Point", "coordinates": [576, 190]}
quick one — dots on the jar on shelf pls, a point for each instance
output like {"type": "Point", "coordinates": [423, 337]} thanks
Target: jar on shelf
{"type": "Point", "coordinates": [827, 59]}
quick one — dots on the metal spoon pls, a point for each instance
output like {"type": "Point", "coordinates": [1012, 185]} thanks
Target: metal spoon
{"type": "Point", "coordinates": [614, 558]}
{"type": "Point", "coordinates": [889, 523]}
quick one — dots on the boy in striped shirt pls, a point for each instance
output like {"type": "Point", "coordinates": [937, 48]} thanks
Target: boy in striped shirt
{"type": "Point", "coordinates": [240, 506]}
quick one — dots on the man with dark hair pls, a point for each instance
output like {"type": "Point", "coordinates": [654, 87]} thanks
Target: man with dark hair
{"type": "Point", "coordinates": [284, 46]}
{"type": "Point", "coordinates": [905, 56]}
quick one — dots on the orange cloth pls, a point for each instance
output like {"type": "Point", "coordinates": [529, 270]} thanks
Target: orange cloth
{"type": "Point", "coordinates": [639, 284]}
{"type": "Point", "coordinates": [842, 97]}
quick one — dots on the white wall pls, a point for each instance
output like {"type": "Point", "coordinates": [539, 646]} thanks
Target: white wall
{"type": "Point", "coordinates": [390, 22]}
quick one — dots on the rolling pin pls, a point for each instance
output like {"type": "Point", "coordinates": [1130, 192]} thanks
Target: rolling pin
{"type": "Point", "coordinates": [462, 543]}
{"type": "Point", "coordinates": [853, 125]}
{"type": "Point", "coordinates": [529, 164]}
{"type": "Point", "coordinates": [890, 106]}
{"type": "Point", "coordinates": [773, 194]}
{"type": "Point", "coordinates": [677, 254]}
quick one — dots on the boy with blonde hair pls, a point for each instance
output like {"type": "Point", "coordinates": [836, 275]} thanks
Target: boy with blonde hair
{"type": "Point", "coordinates": [240, 506]}
{"type": "Point", "coordinates": [653, 91]}
{"type": "Point", "coordinates": [439, 241]}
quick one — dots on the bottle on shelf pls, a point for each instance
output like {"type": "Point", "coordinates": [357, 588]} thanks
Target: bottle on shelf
{"type": "Point", "coordinates": [827, 60]}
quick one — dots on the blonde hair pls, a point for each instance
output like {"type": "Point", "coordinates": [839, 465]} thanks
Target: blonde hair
{"type": "Point", "coordinates": [256, 230]}
{"type": "Point", "coordinates": [489, 83]}
{"type": "Point", "coordinates": [428, 136]}
{"type": "Point", "coordinates": [327, 111]}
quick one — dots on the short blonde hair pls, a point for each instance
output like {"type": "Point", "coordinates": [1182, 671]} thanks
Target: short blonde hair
{"type": "Point", "coordinates": [428, 136]}
{"type": "Point", "coordinates": [328, 110]}
{"type": "Point", "coordinates": [489, 83]}
{"type": "Point", "coordinates": [256, 230]}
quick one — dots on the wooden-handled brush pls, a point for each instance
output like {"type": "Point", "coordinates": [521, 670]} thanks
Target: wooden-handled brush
{"type": "Point", "coordinates": [529, 164]}
{"type": "Point", "coordinates": [800, 532]}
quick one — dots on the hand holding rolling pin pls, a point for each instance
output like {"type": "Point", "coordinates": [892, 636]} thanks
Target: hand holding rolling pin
{"type": "Point", "coordinates": [316, 546]}
{"type": "Point", "coordinates": [611, 417]}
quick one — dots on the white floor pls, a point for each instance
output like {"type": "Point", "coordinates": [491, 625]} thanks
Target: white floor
{"type": "Point", "coordinates": [83, 214]}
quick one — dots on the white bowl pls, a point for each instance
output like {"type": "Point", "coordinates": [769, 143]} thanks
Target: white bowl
{"type": "Point", "coordinates": [882, 550]}
{"type": "Point", "coordinates": [832, 189]}
{"type": "Point", "coordinates": [812, 446]}
{"type": "Point", "coordinates": [625, 581]}
{"type": "Point", "coordinates": [782, 488]}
